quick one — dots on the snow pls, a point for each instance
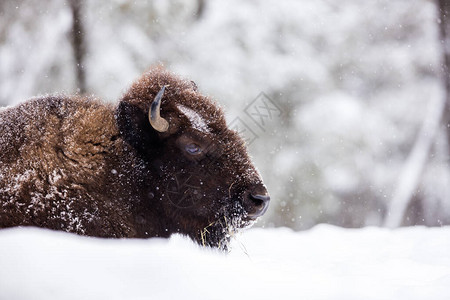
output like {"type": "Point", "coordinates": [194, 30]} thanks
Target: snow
{"type": "Point", "coordinates": [325, 262]}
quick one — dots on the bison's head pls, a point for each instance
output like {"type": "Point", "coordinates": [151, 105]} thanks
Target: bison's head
{"type": "Point", "coordinates": [197, 172]}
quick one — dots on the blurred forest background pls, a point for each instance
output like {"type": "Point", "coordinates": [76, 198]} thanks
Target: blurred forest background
{"type": "Point", "coordinates": [359, 136]}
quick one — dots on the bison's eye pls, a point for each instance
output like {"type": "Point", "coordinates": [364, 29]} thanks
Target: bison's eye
{"type": "Point", "coordinates": [193, 149]}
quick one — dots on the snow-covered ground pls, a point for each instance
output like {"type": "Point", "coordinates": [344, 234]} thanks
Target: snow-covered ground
{"type": "Point", "coordinates": [322, 263]}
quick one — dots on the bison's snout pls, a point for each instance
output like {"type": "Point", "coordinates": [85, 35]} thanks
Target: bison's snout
{"type": "Point", "coordinates": [256, 203]}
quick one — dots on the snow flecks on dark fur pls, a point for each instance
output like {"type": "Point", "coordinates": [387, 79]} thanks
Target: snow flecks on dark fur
{"type": "Point", "coordinates": [79, 165]}
{"type": "Point", "coordinates": [229, 220]}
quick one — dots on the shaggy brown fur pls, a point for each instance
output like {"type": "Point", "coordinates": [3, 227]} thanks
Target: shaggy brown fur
{"type": "Point", "coordinates": [79, 165]}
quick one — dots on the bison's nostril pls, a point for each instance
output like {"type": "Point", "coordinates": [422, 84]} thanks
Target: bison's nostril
{"type": "Point", "coordinates": [260, 203]}
{"type": "Point", "coordinates": [259, 200]}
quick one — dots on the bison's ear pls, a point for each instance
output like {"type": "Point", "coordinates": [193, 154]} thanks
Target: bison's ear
{"type": "Point", "coordinates": [135, 128]}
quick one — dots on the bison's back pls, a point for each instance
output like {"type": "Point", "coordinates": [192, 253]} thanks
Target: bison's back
{"type": "Point", "coordinates": [54, 153]}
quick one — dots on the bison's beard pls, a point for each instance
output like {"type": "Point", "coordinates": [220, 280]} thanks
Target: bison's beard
{"type": "Point", "coordinates": [228, 221]}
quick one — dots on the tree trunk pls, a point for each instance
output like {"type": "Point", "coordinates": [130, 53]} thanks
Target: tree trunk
{"type": "Point", "coordinates": [200, 9]}
{"type": "Point", "coordinates": [444, 27]}
{"type": "Point", "coordinates": [439, 111]}
{"type": "Point", "coordinates": [78, 43]}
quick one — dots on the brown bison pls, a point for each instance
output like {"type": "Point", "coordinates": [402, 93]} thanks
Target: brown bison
{"type": "Point", "coordinates": [160, 162]}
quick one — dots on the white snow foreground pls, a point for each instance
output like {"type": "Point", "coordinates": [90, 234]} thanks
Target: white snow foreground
{"type": "Point", "coordinates": [325, 262]}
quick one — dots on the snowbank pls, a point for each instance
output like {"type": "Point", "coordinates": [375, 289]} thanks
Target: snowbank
{"type": "Point", "coordinates": [323, 263]}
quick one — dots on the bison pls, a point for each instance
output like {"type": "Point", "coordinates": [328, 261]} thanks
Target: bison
{"type": "Point", "coordinates": [161, 161]}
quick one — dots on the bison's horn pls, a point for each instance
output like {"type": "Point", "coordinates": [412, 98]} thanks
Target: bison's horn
{"type": "Point", "coordinates": [160, 124]}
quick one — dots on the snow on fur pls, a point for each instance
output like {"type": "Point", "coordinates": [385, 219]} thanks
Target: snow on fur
{"type": "Point", "coordinates": [196, 120]}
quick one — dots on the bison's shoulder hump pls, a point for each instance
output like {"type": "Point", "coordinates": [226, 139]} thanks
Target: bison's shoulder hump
{"type": "Point", "coordinates": [54, 122]}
